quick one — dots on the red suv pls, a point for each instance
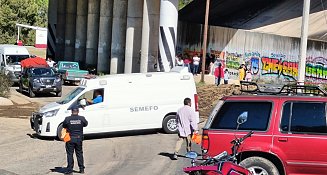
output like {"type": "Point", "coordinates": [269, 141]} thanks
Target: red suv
{"type": "Point", "coordinates": [290, 131]}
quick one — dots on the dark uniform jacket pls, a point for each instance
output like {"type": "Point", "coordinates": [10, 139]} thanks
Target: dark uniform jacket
{"type": "Point", "coordinates": [74, 125]}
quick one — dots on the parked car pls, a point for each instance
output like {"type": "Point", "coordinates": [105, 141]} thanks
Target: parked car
{"type": "Point", "coordinates": [70, 71]}
{"type": "Point", "coordinates": [290, 130]}
{"type": "Point", "coordinates": [40, 80]}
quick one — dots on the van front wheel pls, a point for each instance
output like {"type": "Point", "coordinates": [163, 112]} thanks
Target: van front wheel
{"type": "Point", "coordinates": [60, 127]}
{"type": "Point", "coordinates": [169, 124]}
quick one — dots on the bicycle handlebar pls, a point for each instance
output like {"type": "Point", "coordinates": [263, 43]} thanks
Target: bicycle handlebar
{"type": "Point", "coordinates": [238, 141]}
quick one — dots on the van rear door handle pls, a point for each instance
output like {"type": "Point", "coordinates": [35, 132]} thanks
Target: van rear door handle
{"type": "Point", "coordinates": [282, 139]}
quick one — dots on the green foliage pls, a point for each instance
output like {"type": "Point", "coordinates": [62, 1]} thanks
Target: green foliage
{"type": "Point", "coordinates": [183, 3]}
{"type": "Point", "coordinates": [29, 12]}
{"type": "Point", "coordinates": [5, 85]}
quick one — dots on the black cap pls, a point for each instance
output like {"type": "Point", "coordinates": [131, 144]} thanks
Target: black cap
{"type": "Point", "coordinates": [75, 109]}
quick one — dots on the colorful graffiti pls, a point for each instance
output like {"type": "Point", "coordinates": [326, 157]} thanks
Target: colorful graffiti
{"type": "Point", "coordinates": [233, 60]}
{"type": "Point", "coordinates": [279, 67]}
{"type": "Point", "coordinates": [252, 60]}
{"type": "Point", "coordinates": [275, 64]}
{"type": "Point", "coordinates": [316, 69]}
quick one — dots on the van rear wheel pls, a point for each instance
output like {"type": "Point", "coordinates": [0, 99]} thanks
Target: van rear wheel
{"type": "Point", "coordinates": [259, 166]}
{"type": "Point", "coordinates": [169, 124]}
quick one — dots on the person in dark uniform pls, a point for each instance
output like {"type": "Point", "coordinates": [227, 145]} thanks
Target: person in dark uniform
{"type": "Point", "coordinates": [74, 125]}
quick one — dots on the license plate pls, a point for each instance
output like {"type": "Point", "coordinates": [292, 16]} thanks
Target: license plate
{"type": "Point", "coordinates": [48, 86]}
{"type": "Point", "coordinates": [77, 79]}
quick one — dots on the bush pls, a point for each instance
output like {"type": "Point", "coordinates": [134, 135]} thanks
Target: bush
{"type": "Point", "coordinates": [5, 84]}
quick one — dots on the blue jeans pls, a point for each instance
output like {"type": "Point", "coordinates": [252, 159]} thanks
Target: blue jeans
{"type": "Point", "coordinates": [195, 69]}
{"type": "Point", "coordinates": [189, 67]}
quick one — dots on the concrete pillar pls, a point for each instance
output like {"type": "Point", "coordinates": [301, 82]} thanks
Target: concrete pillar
{"type": "Point", "coordinates": [150, 29]}
{"type": "Point", "coordinates": [52, 22]}
{"type": "Point", "coordinates": [133, 36]}
{"type": "Point", "coordinates": [81, 30]}
{"type": "Point", "coordinates": [70, 28]}
{"type": "Point", "coordinates": [168, 31]}
{"type": "Point", "coordinates": [60, 30]}
{"type": "Point", "coordinates": [105, 28]}
{"type": "Point", "coordinates": [92, 33]}
{"type": "Point", "coordinates": [118, 36]}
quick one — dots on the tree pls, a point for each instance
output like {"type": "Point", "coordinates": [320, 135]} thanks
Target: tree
{"type": "Point", "coordinates": [183, 3]}
{"type": "Point", "coordinates": [29, 12]}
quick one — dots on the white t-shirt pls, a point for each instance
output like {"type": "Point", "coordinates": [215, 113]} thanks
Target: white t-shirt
{"type": "Point", "coordinates": [51, 63]}
{"type": "Point", "coordinates": [196, 60]}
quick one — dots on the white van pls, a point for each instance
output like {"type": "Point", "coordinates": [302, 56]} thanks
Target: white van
{"type": "Point", "coordinates": [130, 102]}
{"type": "Point", "coordinates": [10, 57]}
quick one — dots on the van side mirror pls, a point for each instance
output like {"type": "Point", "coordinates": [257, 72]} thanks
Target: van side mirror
{"type": "Point", "coordinates": [82, 102]}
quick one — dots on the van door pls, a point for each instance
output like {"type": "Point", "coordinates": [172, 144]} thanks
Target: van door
{"type": "Point", "coordinates": [94, 111]}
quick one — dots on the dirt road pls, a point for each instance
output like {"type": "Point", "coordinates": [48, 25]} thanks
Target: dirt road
{"type": "Point", "coordinates": [144, 152]}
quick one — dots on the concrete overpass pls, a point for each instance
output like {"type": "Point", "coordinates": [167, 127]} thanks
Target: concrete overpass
{"type": "Point", "coordinates": [114, 36]}
{"type": "Point", "coordinates": [124, 36]}
{"type": "Point", "coordinates": [280, 17]}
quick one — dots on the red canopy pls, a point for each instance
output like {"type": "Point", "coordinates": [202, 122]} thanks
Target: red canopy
{"type": "Point", "coordinates": [34, 62]}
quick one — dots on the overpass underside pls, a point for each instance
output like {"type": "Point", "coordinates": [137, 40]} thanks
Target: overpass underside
{"type": "Point", "coordinates": [113, 36]}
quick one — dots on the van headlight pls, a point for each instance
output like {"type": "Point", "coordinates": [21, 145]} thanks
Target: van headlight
{"type": "Point", "coordinates": [51, 113]}
{"type": "Point", "coordinates": [36, 81]}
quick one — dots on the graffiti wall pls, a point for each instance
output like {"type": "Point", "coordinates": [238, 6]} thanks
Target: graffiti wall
{"type": "Point", "coordinates": [266, 56]}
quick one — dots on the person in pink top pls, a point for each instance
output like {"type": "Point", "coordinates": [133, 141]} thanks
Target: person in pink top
{"type": "Point", "coordinates": [187, 62]}
{"type": "Point", "coordinates": [186, 122]}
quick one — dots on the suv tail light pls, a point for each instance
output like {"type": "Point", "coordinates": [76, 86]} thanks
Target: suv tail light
{"type": "Point", "coordinates": [196, 102]}
{"type": "Point", "coordinates": [205, 141]}
{"type": "Point", "coordinates": [66, 73]}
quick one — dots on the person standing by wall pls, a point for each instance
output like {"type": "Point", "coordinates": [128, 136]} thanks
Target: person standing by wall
{"type": "Point", "coordinates": [241, 72]}
{"type": "Point", "coordinates": [187, 62]}
{"type": "Point", "coordinates": [74, 125]}
{"type": "Point", "coordinates": [179, 61]}
{"type": "Point", "coordinates": [212, 68]}
{"type": "Point", "coordinates": [186, 122]}
{"type": "Point", "coordinates": [196, 63]}
{"type": "Point", "coordinates": [248, 76]}
{"type": "Point", "coordinates": [226, 76]}
{"type": "Point", "coordinates": [219, 73]}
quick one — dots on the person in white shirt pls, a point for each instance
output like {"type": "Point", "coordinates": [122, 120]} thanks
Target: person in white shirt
{"type": "Point", "coordinates": [50, 62]}
{"type": "Point", "coordinates": [226, 76]}
{"type": "Point", "coordinates": [196, 62]}
{"type": "Point", "coordinates": [179, 61]}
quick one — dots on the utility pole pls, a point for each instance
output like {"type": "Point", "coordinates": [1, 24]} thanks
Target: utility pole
{"type": "Point", "coordinates": [304, 41]}
{"type": "Point", "coordinates": [204, 45]}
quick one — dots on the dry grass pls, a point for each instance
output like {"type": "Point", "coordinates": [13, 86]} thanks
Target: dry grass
{"type": "Point", "coordinates": [210, 94]}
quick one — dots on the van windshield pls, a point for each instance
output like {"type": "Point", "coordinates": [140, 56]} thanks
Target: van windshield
{"type": "Point", "coordinates": [70, 96]}
{"type": "Point", "coordinates": [16, 59]}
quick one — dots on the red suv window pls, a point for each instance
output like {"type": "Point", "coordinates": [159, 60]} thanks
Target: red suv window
{"type": "Point", "coordinates": [304, 117]}
{"type": "Point", "coordinates": [258, 115]}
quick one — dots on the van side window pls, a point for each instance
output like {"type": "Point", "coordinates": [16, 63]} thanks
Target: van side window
{"type": "Point", "coordinates": [304, 117]}
{"type": "Point", "coordinates": [94, 96]}
{"type": "Point", "coordinates": [258, 115]}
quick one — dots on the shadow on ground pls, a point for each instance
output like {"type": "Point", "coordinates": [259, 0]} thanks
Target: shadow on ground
{"type": "Point", "coordinates": [105, 135]}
